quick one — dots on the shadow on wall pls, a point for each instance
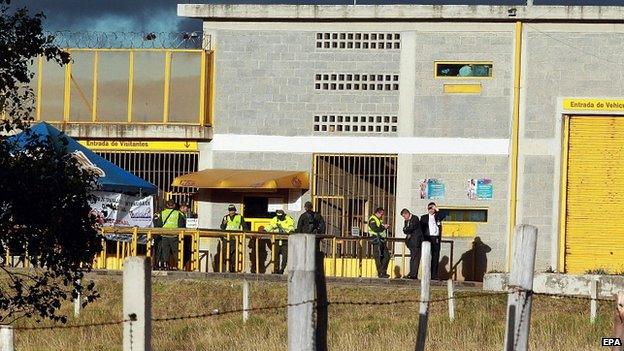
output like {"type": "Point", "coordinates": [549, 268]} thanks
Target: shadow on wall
{"type": "Point", "coordinates": [473, 262]}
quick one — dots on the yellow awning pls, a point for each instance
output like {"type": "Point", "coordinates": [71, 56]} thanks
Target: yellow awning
{"type": "Point", "coordinates": [244, 179]}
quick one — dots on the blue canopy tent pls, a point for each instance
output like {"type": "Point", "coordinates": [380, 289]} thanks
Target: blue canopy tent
{"type": "Point", "coordinates": [110, 177]}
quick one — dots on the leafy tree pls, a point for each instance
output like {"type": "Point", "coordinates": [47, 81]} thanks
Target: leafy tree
{"type": "Point", "coordinates": [44, 192]}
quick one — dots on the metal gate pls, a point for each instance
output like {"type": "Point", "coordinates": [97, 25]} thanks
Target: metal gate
{"type": "Point", "coordinates": [348, 188]}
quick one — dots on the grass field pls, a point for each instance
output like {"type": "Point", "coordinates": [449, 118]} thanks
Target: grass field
{"type": "Point", "coordinates": [557, 324]}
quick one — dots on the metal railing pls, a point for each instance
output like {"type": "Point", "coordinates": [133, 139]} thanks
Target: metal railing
{"type": "Point", "coordinates": [250, 252]}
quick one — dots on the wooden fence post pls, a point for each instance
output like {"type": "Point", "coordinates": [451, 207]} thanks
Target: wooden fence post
{"type": "Point", "coordinates": [246, 301]}
{"type": "Point", "coordinates": [451, 299]}
{"type": "Point", "coordinates": [593, 305]}
{"type": "Point", "coordinates": [423, 313]}
{"type": "Point", "coordinates": [6, 338]}
{"type": "Point", "coordinates": [137, 303]}
{"type": "Point", "coordinates": [301, 292]}
{"type": "Point", "coordinates": [520, 281]}
{"type": "Point", "coordinates": [618, 320]}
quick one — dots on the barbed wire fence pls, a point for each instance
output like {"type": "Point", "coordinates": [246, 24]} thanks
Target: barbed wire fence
{"type": "Point", "coordinates": [130, 40]}
{"type": "Point", "coordinates": [305, 311]}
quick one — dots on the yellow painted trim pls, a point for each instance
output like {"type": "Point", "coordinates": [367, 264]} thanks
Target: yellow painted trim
{"type": "Point", "coordinates": [202, 88]}
{"type": "Point", "coordinates": [462, 88]}
{"type": "Point", "coordinates": [515, 131]}
{"type": "Point", "coordinates": [39, 87]}
{"type": "Point", "coordinates": [460, 229]}
{"type": "Point", "coordinates": [139, 145]}
{"type": "Point", "coordinates": [167, 83]}
{"type": "Point", "coordinates": [130, 83]}
{"type": "Point", "coordinates": [436, 63]}
{"type": "Point", "coordinates": [95, 85]}
{"type": "Point", "coordinates": [563, 193]}
{"type": "Point", "coordinates": [213, 86]}
{"type": "Point", "coordinates": [67, 92]}
{"type": "Point", "coordinates": [135, 50]}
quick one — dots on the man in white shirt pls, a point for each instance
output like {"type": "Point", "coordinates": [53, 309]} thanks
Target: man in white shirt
{"type": "Point", "coordinates": [431, 225]}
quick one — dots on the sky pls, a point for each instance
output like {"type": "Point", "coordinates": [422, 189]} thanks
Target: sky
{"type": "Point", "coordinates": [160, 15]}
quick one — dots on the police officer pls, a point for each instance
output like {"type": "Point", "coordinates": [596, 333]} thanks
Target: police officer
{"type": "Point", "coordinates": [231, 222]}
{"type": "Point", "coordinates": [170, 218]}
{"type": "Point", "coordinates": [379, 232]}
{"type": "Point", "coordinates": [282, 224]}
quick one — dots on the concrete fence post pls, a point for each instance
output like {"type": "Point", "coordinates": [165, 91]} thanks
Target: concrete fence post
{"type": "Point", "coordinates": [137, 303]}
{"type": "Point", "coordinates": [77, 303]}
{"type": "Point", "coordinates": [301, 288]}
{"type": "Point", "coordinates": [618, 320]}
{"type": "Point", "coordinates": [451, 299]}
{"type": "Point", "coordinates": [593, 305]}
{"type": "Point", "coordinates": [520, 281]}
{"type": "Point", "coordinates": [423, 313]}
{"type": "Point", "coordinates": [6, 338]}
{"type": "Point", "coordinates": [246, 301]}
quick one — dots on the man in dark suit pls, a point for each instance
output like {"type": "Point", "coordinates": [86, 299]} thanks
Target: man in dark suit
{"type": "Point", "coordinates": [413, 239]}
{"type": "Point", "coordinates": [431, 226]}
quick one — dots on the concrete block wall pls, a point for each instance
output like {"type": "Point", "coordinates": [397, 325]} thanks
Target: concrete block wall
{"type": "Point", "coordinates": [266, 82]}
{"type": "Point", "coordinates": [484, 115]}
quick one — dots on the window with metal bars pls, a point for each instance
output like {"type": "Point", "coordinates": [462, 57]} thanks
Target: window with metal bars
{"type": "Point", "coordinates": [159, 168]}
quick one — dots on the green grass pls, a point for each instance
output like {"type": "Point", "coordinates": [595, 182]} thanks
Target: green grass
{"type": "Point", "coordinates": [557, 324]}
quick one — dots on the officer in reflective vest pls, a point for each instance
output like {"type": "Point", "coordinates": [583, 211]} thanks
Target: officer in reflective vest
{"type": "Point", "coordinates": [231, 222]}
{"type": "Point", "coordinates": [282, 224]}
{"type": "Point", "coordinates": [168, 246]}
{"type": "Point", "coordinates": [379, 232]}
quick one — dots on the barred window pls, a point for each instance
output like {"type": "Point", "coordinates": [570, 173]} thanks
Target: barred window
{"type": "Point", "coordinates": [356, 81]}
{"type": "Point", "coordinates": [345, 123]}
{"type": "Point", "coordinates": [358, 41]}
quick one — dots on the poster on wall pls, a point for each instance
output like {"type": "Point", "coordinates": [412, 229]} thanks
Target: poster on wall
{"type": "Point", "coordinates": [480, 189]}
{"type": "Point", "coordinates": [119, 210]}
{"type": "Point", "coordinates": [432, 188]}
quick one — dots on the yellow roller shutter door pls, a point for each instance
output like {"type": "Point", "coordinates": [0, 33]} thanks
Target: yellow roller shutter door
{"type": "Point", "coordinates": [595, 195]}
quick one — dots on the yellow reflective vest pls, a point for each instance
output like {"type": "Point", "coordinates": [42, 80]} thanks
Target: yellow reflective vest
{"type": "Point", "coordinates": [285, 226]}
{"type": "Point", "coordinates": [373, 232]}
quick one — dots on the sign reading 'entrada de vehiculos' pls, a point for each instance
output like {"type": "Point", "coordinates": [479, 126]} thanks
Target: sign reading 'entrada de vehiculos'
{"type": "Point", "coordinates": [593, 104]}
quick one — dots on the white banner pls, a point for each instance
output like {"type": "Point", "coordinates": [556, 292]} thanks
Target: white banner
{"type": "Point", "coordinates": [119, 210]}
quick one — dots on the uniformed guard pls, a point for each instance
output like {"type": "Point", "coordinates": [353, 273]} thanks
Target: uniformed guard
{"type": "Point", "coordinates": [168, 247]}
{"type": "Point", "coordinates": [379, 232]}
{"type": "Point", "coordinates": [231, 222]}
{"type": "Point", "coordinates": [282, 224]}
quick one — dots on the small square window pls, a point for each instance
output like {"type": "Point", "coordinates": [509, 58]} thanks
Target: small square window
{"type": "Point", "coordinates": [324, 128]}
{"type": "Point", "coordinates": [347, 128]}
{"type": "Point", "coordinates": [394, 119]}
{"type": "Point", "coordinates": [388, 45]}
{"type": "Point", "coordinates": [372, 77]}
{"type": "Point", "coordinates": [371, 119]}
{"type": "Point", "coordinates": [332, 118]}
{"type": "Point", "coordinates": [373, 45]}
{"type": "Point", "coordinates": [364, 77]}
{"type": "Point", "coordinates": [356, 86]}
{"type": "Point", "coordinates": [325, 76]}
{"type": "Point", "coordinates": [325, 86]}
{"type": "Point", "coordinates": [347, 118]}
{"type": "Point", "coordinates": [395, 87]}
{"type": "Point", "coordinates": [343, 36]}
{"type": "Point", "coordinates": [394, 128]}
{"type": "Point", "coordinates": [318, 77]}
{"type": "Point", "coordinates": [379, 86]}
{"type": "Point", "coordinates": [316, 118]}
{"type": "Point", "coordinates": [334, 76]}
{"type": "Point", "coordinates": [370, 128]}
{"type": "Point", "coordinates": [355, 128]}
{"type": "Point", "coordinates": [350, 36]}
{"type": "Point", "coordinates": [339, 118]}
{"type": "Point", "coordinates": [357, 45]}
{"type": "Point", "coordinates": [373, 36]}
{"type": "Point", "coordinates": [371, 87]}
{"type": "Point", "coordinates": [356, 77]}
{"type": "Point", "coordinates": [386, 129]}
{"type": "Point", "coordinates": [386, 119]}
{"type": "Point", "coordinates": [343, 45]}
{"type": "Point", "coordinates": [316, 128]}
{"type": "Point", "coordinates": [380, 77]}
{"type": "Point", "coordinates": [395, 77]}
{"type": "Point", "coordinates": [364, 45]}
{"type": "Point", "coordinates": [388, 77]}
{"type": "Point", "coordinates": [348, 86]}
{"type": "Point", "coordinates": [349, 77]}
{"type": "Point", "coordinates": [334, 44]}
{"type": "Point", "coordinates": [397, 45]}
{"type": "Point", "coordinates": [358, 36]}
{"type": "Point", "coordinates": [378, 129]}
{"type": "Point", "coordinates": [397, 36]}
{"type": "Point", "coordinates": [355, 118]}
{"type": "Point", "coordinates": [364, 87]}
{"type": "Point", "coordinates": [381, 36]}
{"type": "Point", "coordinates": [350, 45]}
{"type": "Point", "coordinates": [324, 118]}
{"type": "Point", "coordinates": [333, 86]}
{"type": "Point", "coordinates": [319, 36]}
{"type": "Point", "coordinates": [387, 86]}
{"type": "Point", "coordinates": [341, 86]}
{"type": "Point", "coordinates": [339, 127]}
{"type": "Point", "coordinates": [326, 45]}
{"type": "Point", "coordinates": [341, 77]}
{"type": "Point", "coordinates": [381, 45]}
{"type": "Point", "coordinates": [317, 86]}
{"type": "Point", "coordinates": [378, 119]}
{"type": "Point", "coordinates": [335, 36]}
{"type": "Point", "coordinates": [319, 44]}
{"type": "Point", "coordinates": [327, 36]}
{"type": "Point", "coordinates": [365, 37]}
